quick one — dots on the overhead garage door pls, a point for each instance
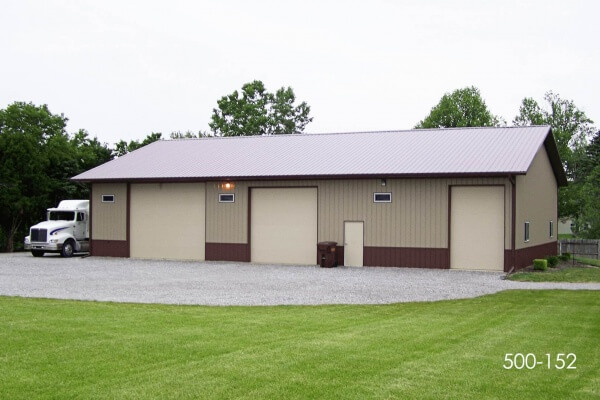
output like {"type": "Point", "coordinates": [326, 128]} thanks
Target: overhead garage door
{"type": "Point", "coordinates": [167, 221]}
{"type": "Point", "coordinates": [283, 225]}
{"type": "Point", "coordinates": [477, 227]}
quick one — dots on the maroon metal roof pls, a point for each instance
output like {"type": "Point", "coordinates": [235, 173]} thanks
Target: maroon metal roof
{"type": "Point", "coordinates": [424, 152]}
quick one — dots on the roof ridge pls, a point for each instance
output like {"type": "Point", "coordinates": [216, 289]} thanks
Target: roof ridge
{"type": "Point", "coordinates": [356, 132]}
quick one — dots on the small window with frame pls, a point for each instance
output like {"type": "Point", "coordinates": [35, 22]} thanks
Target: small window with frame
{"type": "Point", "coordinates": [226, 198]}
{"type": "Point", "coordinates": [526, 233]}
{"type": "Point", "coordinates": [108, 198]}
{"type": "Point", "coordinates": [551, 228]}
{"type": "Point", "coordinates": [382, 197]}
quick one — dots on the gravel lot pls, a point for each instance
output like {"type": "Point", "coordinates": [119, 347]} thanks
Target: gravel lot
{"type": "Point", "coordinates": [223, 283]}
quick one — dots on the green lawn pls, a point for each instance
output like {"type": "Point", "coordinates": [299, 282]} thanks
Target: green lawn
{"type": "Point", "coordinates": [589, 261]}
{"type": "Point", "coordinates": [450, 349]}
{"type": "Point", "coordinates": [575, 274]}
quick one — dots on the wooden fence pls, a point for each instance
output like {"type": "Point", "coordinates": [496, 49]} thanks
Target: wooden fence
{"type": "Point", "coordinates": [588, 248]}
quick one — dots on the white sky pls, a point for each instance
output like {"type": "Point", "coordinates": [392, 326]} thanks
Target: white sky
{"type": "Point", "coordinates": [122, 69]}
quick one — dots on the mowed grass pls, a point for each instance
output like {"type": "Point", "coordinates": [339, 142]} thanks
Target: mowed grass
{"type": "Point", "coordinates": [589, 261]}
{"type": "Point", "coordinates": [450, 349]}
{"type": "Point", "coordinates": [575, 274]}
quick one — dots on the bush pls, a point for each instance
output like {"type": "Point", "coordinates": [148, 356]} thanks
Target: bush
{"type": "Point", "coordinates": [540, 264]}
{"type": "Point", "coordinates": [552, 261]}
{"type": "Point", "coordinates": [565, 256]}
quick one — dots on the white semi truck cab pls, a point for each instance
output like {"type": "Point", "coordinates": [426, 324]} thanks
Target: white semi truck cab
{"type": "Point", "coordinates": [66, 231]}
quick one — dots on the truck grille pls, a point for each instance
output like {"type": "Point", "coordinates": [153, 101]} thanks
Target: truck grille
{"type": "Point", "coordinates": [39, 235]}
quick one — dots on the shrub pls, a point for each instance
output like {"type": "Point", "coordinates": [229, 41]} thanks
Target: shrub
{"type": "Point", "coordinates": [552, 261]}
{"type": "Point", "coordinates": [565, 256]}
{"type": "Point", "coordinates": [540, 264]}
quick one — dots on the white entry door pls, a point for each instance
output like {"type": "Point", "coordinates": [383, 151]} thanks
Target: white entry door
{"type": "Point", "coordinates": [353, 244]}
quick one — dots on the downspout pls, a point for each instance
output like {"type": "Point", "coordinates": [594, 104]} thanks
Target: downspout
{"type": "Point", "coordinates": [513, 192]}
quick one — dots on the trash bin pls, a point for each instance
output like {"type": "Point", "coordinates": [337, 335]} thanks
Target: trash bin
{"type": "Point", "coordinates": [327, 255]}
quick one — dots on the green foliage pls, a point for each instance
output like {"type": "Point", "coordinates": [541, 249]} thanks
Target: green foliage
{"type": "Point", "coordinates": [540, 264]}
{"type": "Point", "coordinates": [122, 147]}
{"type": "Point", "coordinates": [565, 256]}
{"type": "Point", "coordinates": [189, 135]}
{"type": "Point", "coordinates": [37, 158]}
{"type": "Point", "coordinates": [461, 108]}
{"type": "Point", "coordinates": [552, 261]}
{"type": "Point", "coordinates": [571, 128]}
{"type": "Point", "coordinates": [258, 112]}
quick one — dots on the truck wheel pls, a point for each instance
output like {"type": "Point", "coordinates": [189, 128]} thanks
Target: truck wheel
{"type": "Point", "coordinates": [68, 249]}
{"type": "Point", "coordinates": [37, 253]}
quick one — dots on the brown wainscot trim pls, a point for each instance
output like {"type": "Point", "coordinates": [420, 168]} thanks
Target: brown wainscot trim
{"type": "Point", "coordinates": [526, 256]}
{"type": "Point", "coordinates": [408, 257]}
{"type": "Point", "coordinates": [110, 248]}
{"type": "Point", "coordinates": [227, 252]}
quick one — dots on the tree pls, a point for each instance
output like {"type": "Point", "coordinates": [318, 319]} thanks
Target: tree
{"type": "Point", "coordinates": [589, 219]}
{"type": "Point", "coordinates": [189, 135]}
{"type": "Point", "coordinates": [461, 108]}
{"type": "Point", "coordinates": [571, 128]}
{"type": "Point", "coordinates": [26, 133]}
{"type": "Point", "coordinates": [122, 147]}
{"type": "Point", "coordinates": [37, 158]}
{"type": "Point", "coordinates": [258, 112]}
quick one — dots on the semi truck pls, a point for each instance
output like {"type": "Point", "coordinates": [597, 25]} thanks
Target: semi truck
{"type": "Point", "coordinates": [66, 230]}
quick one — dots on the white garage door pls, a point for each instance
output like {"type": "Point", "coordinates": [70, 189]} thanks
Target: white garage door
{"type": "Point", "coordinates": [167, 221]}
{"type": "Point", "coordinates": [283, 225]}
{"type": "Point", "coordinates": [477, 228]}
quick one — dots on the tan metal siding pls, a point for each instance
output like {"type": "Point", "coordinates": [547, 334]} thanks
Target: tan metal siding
{"type": "Point", "coordinates": [536, 202]}
{"type": "Point", "coordinates": [417, 216]}
{"type": "Point", "coordinates": [109, 220]}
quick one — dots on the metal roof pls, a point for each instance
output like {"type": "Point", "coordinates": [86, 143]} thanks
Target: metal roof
{"type": "Point", "coordinates": [423, 152]}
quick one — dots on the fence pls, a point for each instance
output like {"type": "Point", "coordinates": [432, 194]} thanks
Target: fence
{"type": "Point", "coordinates": [588, 248]}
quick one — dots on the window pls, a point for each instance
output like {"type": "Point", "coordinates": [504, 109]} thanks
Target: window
{"type": "Point", "coordinates": [61, 216]}
{"type": "Point", "coordinates": [108, 198]}
{"type": "Point", "coordinates": [382, 197]}
{"type": "Point", "coordinates": [527, 231]}
{"type": "Point", "coordinates": [551, 228]}
{"type": "Point", "coordinates": [226, 198]}
{"type": "Point", "coordinates": [80, 216]}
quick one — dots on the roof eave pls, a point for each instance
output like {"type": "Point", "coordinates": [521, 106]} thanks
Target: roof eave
{"type": "Point", "coordinates": [303, 177]}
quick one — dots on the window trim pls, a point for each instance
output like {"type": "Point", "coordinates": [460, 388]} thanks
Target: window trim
{"type": "Point", "coordinates": [104, 196]}
{"type": "Point", "coordinates": [382, 201]}
{"type": "Point", "coordinates": [226, 194]}
{"type": "Point", "coordinates": [526, 232]}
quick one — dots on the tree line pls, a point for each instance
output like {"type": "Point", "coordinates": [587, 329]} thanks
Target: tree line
{"type": "Point", "coordinates": [38, 155]}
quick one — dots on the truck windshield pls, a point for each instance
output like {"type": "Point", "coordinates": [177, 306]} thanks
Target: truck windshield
{"type": "Point", "coordinates": [61, 216]}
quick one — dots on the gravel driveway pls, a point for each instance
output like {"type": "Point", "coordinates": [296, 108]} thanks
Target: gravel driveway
{"type": "Point", "coordinates": [223, 283]}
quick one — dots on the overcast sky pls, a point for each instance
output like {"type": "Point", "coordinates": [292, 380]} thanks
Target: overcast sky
{"type": "Point", "coordinates": [122, 69]}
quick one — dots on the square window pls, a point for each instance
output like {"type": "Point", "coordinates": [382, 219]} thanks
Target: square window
{"type": "Point", "coordinates": [527, 231]}
{"type": "Point", "coordinates": [108, 198]}
{"type": "Point", "coordinates": [226, 198]}
{"type": "Point", "coordinates": [382, 197]}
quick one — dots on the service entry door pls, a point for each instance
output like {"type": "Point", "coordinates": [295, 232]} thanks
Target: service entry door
{"type": "Point", "coordinates": [167, 221]}
{"type": "Point", "coordinates": [353, 243]}
{"type": "Point", "coordinates": [477, 227]}
{"type": "Point", "coordinates": [283, 225]}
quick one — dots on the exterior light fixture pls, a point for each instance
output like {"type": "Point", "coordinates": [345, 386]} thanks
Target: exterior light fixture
{"type": "Point", "coordinates": [228, 185]}
{"type": "Point", "coordinates": [383, 182]}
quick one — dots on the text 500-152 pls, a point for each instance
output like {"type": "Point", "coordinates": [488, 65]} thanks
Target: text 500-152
{"type": "Point", "coordinates": [530, 361]}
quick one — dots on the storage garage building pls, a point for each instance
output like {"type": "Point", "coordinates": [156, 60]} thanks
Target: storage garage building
{"type": "Point", "coordinates": [468, 198]}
